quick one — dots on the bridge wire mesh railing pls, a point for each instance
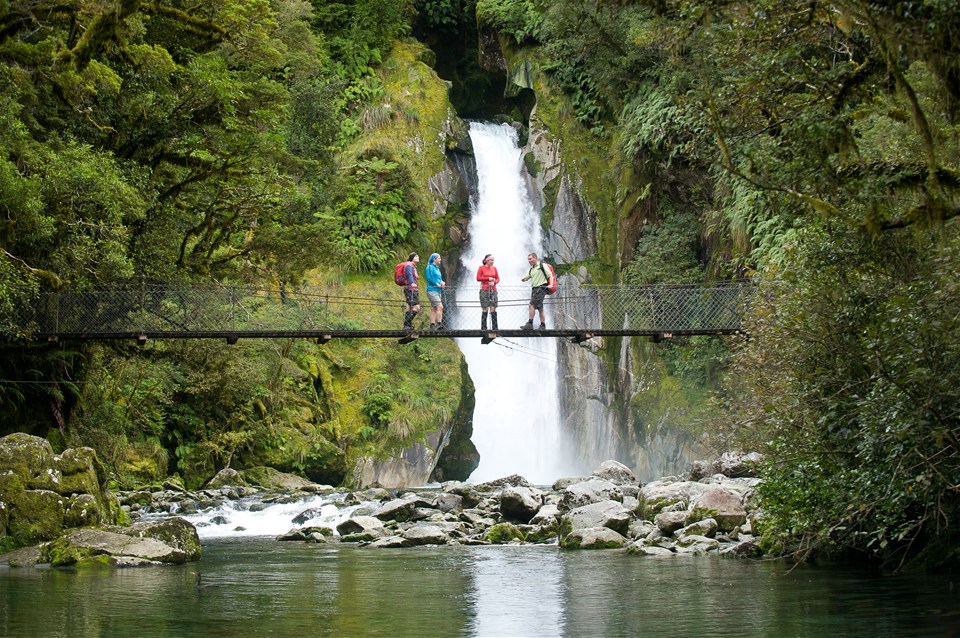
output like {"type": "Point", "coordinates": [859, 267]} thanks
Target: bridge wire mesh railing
{"type": "Point", "coordinates": [181, 310]}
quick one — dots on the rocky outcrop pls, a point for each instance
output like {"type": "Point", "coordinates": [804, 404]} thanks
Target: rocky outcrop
{"type": "Point", "coordinates": [58, 510]}
{"type": "Point", "coordinates": [42, 493]}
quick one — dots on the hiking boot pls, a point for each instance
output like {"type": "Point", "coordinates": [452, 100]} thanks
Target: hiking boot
{"type": "Point", "coordinates": [543, 326]}
{"type": "Point", "coordinates": [527, 326]}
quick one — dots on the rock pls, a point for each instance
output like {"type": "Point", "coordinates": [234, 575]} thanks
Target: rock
{"type": "Point", "coordinates": [694, 544]}
{"type": "Point", "coordinates": [520, 503]}
{"type": "Point", "coordinates": [549, 513]}
{"type": "Point", "coordinates": [82, 510]}
{"type": "Point", "coordinates": [641, 549]}
{"type": "Point", "coordinates": [659, 495]}
{"type": "Point", "coordinates": [669, 522]}
{"type": "Point", "coordinates": [502, 533]}
{"type": "Point", "coordinates": [172, 541]}
{"type": "Point", "coordinates": [396, 510]}
{"type": "Point", "coordinates": [390, 542]}
{"type": "Point", "coordinates": [591, 491]}
{"type": "Point", "coordinates": [615, 472]}
{"type": "Point", "coordinates": [367, 525]}
{"type": "Point", "coordinates": [706, 527]}
{"type": "Point", "coordinates": [561, 484]}
{"type": "Point", "coordinates": [743, 549]}
{"type": "Point", "coordinates": [36, 515]}
{"type": "Point", "coordinates": [609, 514]}
{"type": "Point", "coordinates": [227, 477]}
{"type": "Point", "coordinates": [593, 538]}
{"type": "Point", "coordinates": [514, 480]}
{"type": "Point", "coordinates": [315, 534]}
{"type": "Point", "coordinates": [441, 501]}
{"type": "Point", "coordinates": [306, 515]}
{"type": "Point", "coordinates": [721, 505]}
{"type": "Point", "coordinates": [425, 535]}
{"type": "Point", "coordinates": [25, 455]}
{"type": "Point", "coordinates": [269, 478]}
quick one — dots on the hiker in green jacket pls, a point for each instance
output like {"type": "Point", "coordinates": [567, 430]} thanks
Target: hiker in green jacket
{"type": "Point", "coordinates": [539, 278]}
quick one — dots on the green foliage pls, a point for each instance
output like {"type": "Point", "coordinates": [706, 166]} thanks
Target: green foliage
{"type": "Point", "coordinates": [375, 216]}
{"type": "Point", "coordinates": [851, 376]}
{"type": "Point", "coordinates": [667, 253]}
{"type": "Point", "coordinates": [444, 15]}
{"type": "Point", "coordinates": [522, 20]}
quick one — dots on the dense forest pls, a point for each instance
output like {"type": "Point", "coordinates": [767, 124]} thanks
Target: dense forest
{"type": "Point", "coordinates": [812, 145]}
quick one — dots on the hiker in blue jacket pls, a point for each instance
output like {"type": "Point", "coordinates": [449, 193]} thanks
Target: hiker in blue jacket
{"type": "Point", "coordinates": [435, 286]}
{"type": "Point", "coordinates": [411, 291]}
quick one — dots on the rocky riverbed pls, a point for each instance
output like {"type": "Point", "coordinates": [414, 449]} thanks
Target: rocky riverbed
{"type": "Point", "coordinates": [711, 510]}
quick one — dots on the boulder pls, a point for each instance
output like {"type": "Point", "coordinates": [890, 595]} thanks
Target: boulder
{"type": "Point", "coordinates": [706, 527]}
{"type": "Point", "coordinates": [272, 479]}
{"type": "Point", "coordinates": [609, 514]}
{"type": "Point", "coordinates": [25, 455]}
{"type": "Point", "coordinates": [593, 538]}
{"type": "Point", "coordinates": [720, 504]}
{"type": "Point", "coordinates": [520, 503]}
{"type": "Point", "coordinates": [366, 525]}
{"type": "Point", "coordinates": [669, 522]}
{"type": "Point", "coordinates": [616, 473]}
{"type": "Point", "coordinates": [425, 535]}
{"type": "Point", "coordinates": [591, 491]}
{"type": "Point", "coordinates": [227, 477]}
{"type": "Point", "coordinates": [400, 509]}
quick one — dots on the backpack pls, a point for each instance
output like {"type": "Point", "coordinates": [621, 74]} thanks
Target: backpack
{"type": "Point", "coordinates": [552, 277]}
{"type": "Point", "coordinates": [400, 273]}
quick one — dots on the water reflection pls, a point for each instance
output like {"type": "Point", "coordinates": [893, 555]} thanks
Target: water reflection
{"type": "Point", "coordinates": [516, 592]}
{"type": "Point", "coordinates": [259, 587]}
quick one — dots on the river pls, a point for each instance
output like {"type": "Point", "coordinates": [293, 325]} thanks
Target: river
{"type": "Point", "coordinates": [261, 587]}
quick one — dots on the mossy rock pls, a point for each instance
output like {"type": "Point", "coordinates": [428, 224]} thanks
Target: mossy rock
{"type": "Point", "coordinates": [11, 486]}
{"type": "Point", "coordinates": [503, 533]}
{"type": "Point", "coordinates": [62, 553]}
{"type": "Point", "coordinates": [28, 456]}
{"type": "Point", "coordinates": [83, 510]}
{"type": "Point", "coordinates": [37, 515]}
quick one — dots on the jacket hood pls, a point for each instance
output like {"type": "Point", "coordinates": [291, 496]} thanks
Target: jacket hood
{"type": "Point", "coordinates": [432, 257]}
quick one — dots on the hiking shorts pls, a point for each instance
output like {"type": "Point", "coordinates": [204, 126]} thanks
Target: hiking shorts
{"type": "Point", "coordinates": [412, 297]}
{"type": "Point", "coordinates": [536, 297]}
{"type": "Point", "coordinates": [488, 299]}
{"type": "Point", "coordinates": [435, 299]}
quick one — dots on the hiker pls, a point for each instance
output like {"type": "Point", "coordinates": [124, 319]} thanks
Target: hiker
{"type": "Point", "coordinates": [435, 286]}
{"type": "Point", "coordinates": [411, 292]}
{"type": "Point", "coordinates": [539, 278]}
{"type": "Point", "coordinates": [488, 277]}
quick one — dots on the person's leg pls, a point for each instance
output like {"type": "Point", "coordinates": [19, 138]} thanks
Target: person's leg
{"type": "Point", "coordinates": [493, 319]}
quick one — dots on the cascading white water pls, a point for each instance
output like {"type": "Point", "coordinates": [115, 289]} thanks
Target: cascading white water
{"type": "Point", "coordinates": [516, 423]}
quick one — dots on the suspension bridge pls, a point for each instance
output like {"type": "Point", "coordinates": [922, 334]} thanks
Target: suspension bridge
{"type": "Point", "coordinates": [578, 312]}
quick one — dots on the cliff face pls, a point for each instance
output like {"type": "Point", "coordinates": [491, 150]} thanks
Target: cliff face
{"type": "Point", "coordinates": [436, 147]}
{"type": "Point", "coordinates": [584, 192]}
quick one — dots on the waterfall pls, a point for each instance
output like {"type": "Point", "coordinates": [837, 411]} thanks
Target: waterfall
{"type": "Point", "coordinates": [516, 423]}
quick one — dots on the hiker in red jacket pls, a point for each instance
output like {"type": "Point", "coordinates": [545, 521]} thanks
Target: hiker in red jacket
{"type": "Point", "coordinates": [488, 277]}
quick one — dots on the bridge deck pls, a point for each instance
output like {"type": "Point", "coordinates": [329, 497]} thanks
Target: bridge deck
{"type": "Point", "coordinates": [578, 312]}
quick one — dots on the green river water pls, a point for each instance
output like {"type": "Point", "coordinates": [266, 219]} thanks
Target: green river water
{"type": "Point", "coordinates": [261, 587]}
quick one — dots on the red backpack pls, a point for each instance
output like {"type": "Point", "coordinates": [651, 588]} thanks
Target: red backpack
{"type": "Point", "coordinates": [551, 278]}
{"type": "Point", "coordinates": [400, 273]}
